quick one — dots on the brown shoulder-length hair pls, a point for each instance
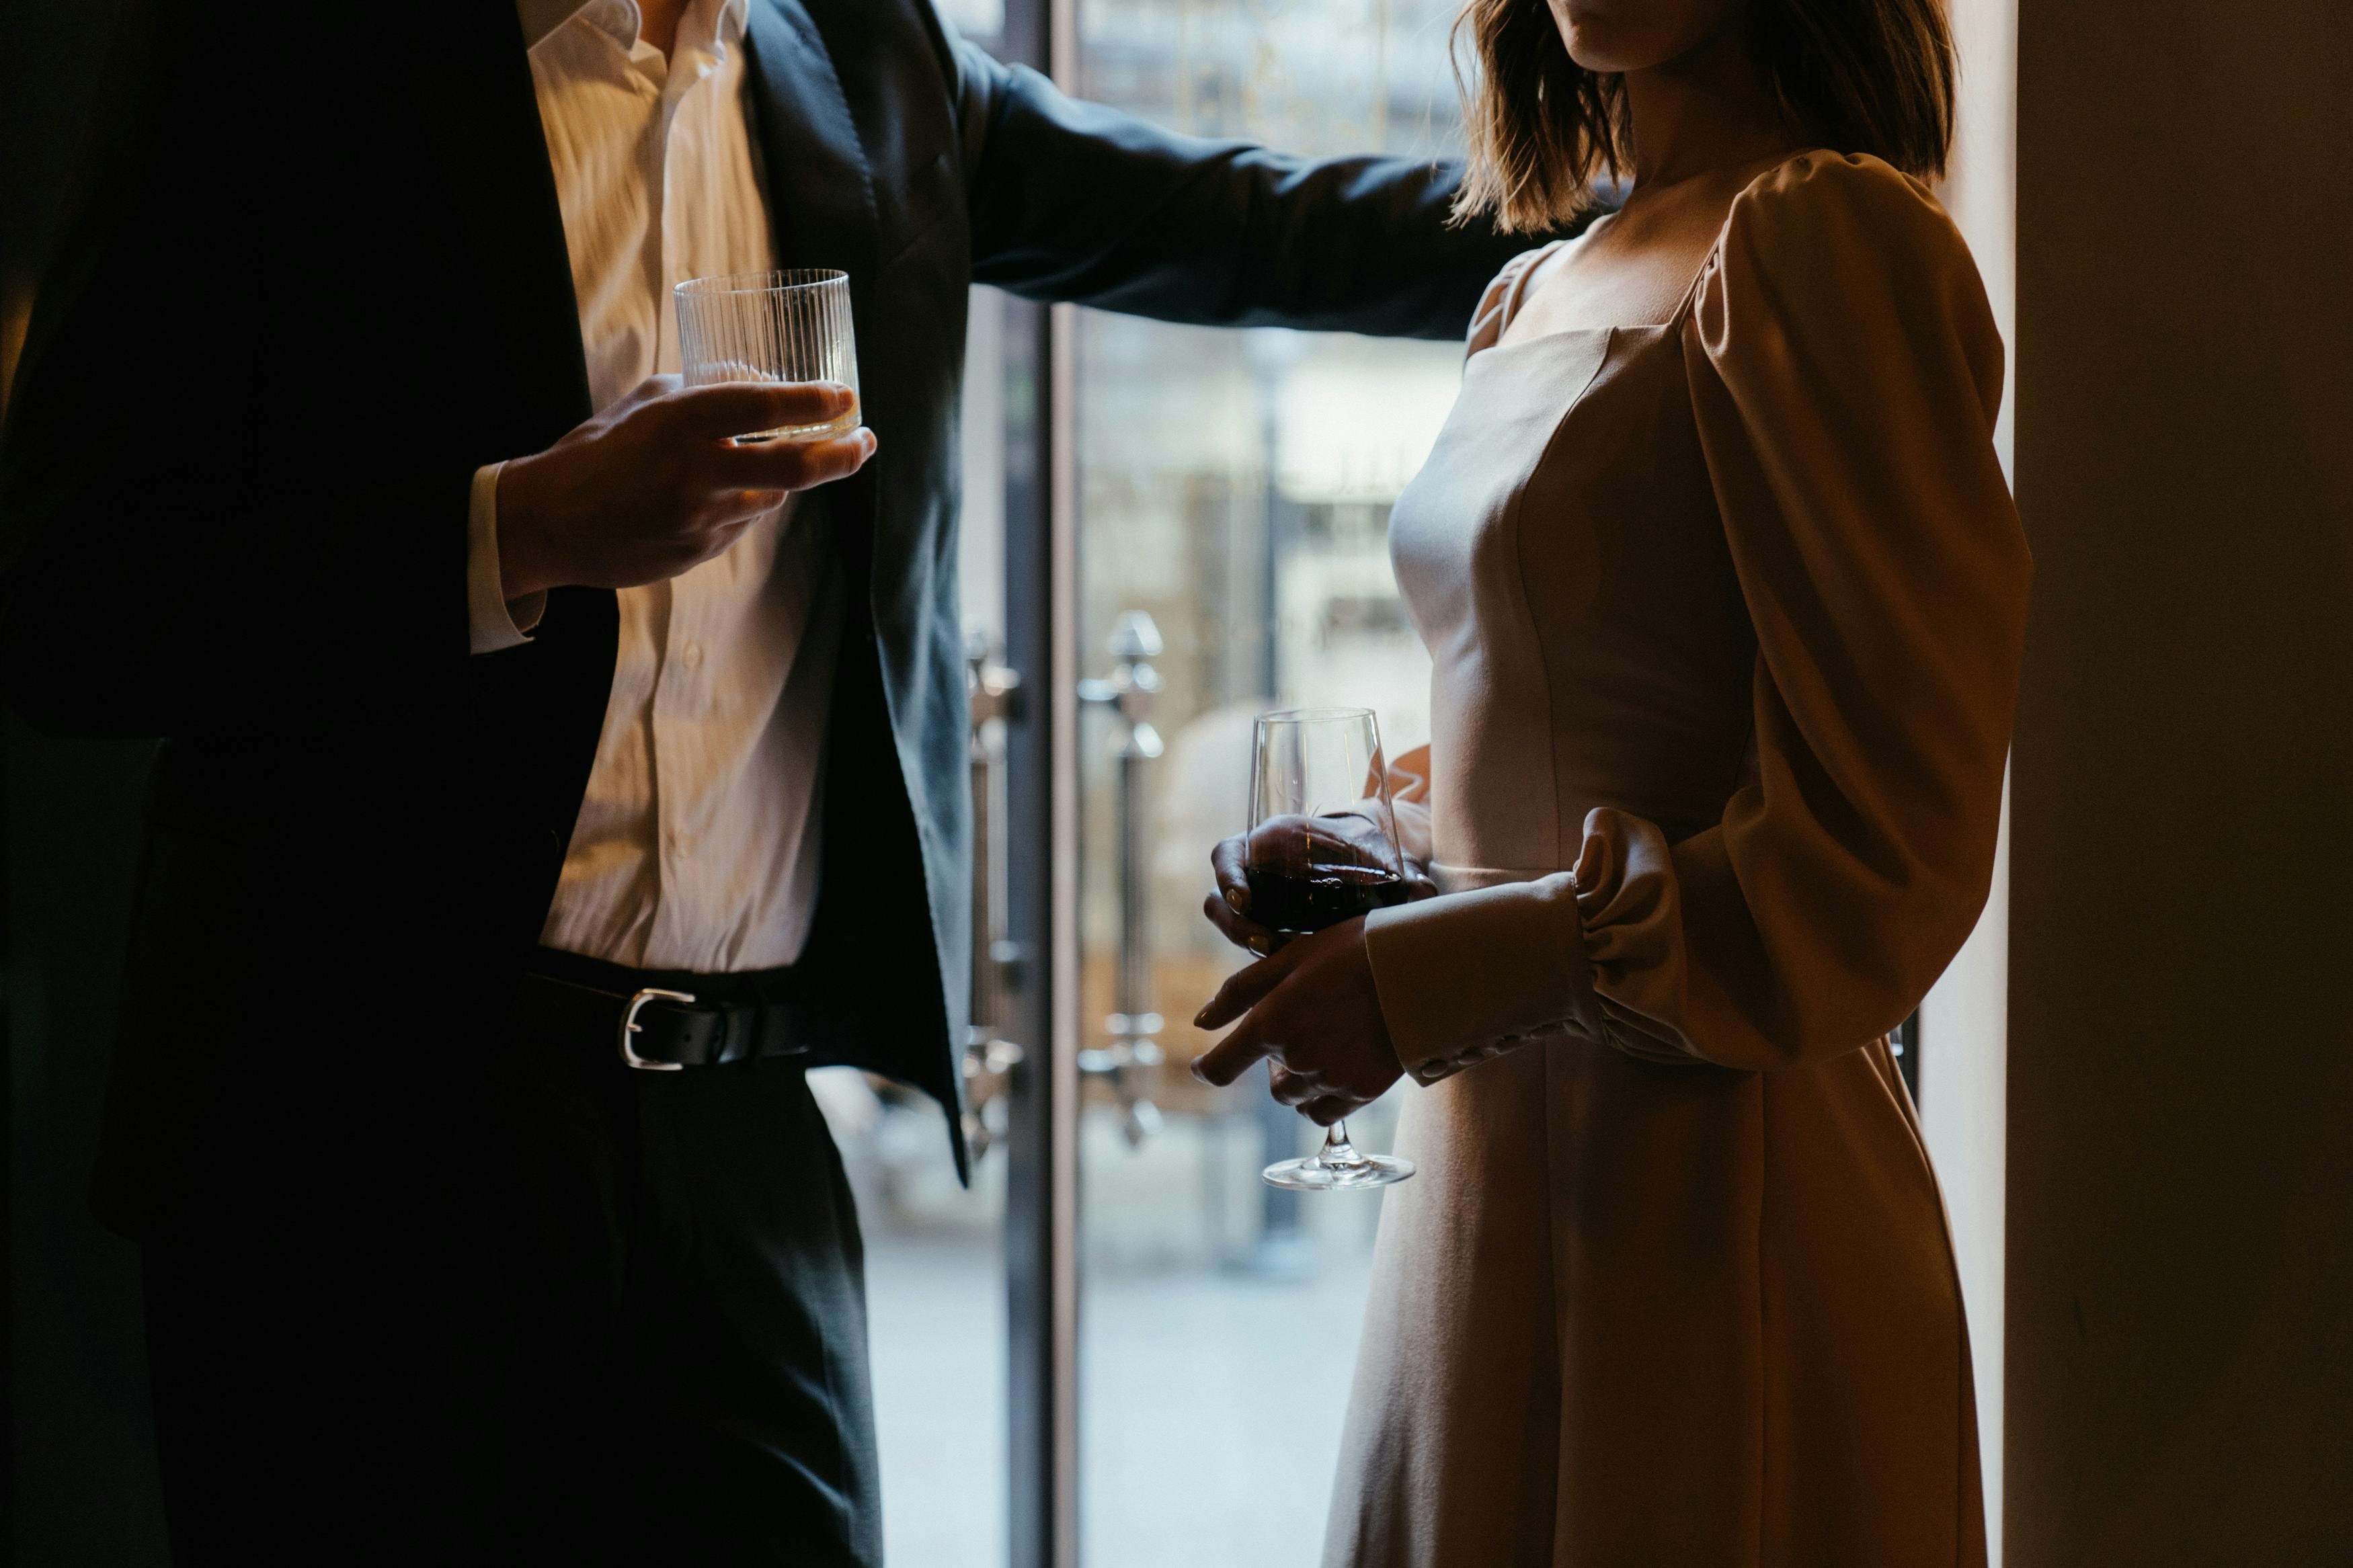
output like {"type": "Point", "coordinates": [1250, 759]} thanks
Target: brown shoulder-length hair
{"type": "Point", "coordinates": [1859, 76]}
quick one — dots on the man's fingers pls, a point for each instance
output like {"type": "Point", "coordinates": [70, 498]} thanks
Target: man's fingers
{"type": "Point", "coordinates": [1243, 989]}
{"type": "Point", "coordinates": [749, 506]}
{"type": "Point", "coordinates": [744, 408]}
{"type": "Point", "coordinates": [794, 464]}
{"type": "Point", "coordinates": [1229, 1058]}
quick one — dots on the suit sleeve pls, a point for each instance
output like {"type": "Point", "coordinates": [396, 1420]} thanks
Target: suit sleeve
{"type": "Point", "coordinates": [1071, 201]}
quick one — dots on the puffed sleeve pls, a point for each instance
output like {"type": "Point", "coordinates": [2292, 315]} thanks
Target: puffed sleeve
{"type": "Point", "coordinates": [1494, 312]}
{"type": "Point", "coordinates": [1845, 373]}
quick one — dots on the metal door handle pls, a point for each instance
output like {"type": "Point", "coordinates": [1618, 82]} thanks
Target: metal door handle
{"type": "Point", "coordinates": [995, 692]}
{"type": "Point", "coordinates": [1133, 1056]}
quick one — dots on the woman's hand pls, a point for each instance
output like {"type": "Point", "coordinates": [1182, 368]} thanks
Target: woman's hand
{"type": "Point", "coordinates": [1312, 1012]}
{"type": "Point", "coordinates": [1301, 841]}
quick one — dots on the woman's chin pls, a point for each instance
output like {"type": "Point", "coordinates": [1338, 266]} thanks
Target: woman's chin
{"type": "Point", "coordinates": [1607, 51]}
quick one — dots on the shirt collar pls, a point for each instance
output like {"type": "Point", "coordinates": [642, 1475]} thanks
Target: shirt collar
{"type": "Point", "coordinates": [540, 18]}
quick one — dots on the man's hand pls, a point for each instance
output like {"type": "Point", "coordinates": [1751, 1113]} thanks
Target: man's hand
{"type": "Point", "coordinates": [655, 484]}
{"type": "Point", "coordinates": [1312, 1012]}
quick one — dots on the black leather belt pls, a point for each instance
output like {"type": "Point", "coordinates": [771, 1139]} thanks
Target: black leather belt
{"type": "Point", "coordinates": [661, 1021]}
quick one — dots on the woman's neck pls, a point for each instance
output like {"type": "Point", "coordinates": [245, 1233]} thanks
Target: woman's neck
{"type": "Point", "coordinates": [1704, 113]}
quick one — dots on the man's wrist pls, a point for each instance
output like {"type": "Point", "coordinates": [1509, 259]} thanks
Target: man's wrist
{"type": "Point", "coordinates": [496, 618]}
{"type": "Point", "coordinates": [523, 572]}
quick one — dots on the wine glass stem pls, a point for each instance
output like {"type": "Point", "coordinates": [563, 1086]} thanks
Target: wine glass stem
{"type": "Point", "coordinates": [1337, 1150]}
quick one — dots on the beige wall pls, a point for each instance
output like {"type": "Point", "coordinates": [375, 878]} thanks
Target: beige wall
{"type": "Point", "coordinates": [2179, 1375]}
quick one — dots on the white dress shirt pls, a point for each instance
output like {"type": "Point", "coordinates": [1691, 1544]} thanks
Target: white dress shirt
{"type": "Point", "coordinates": [696, 847]}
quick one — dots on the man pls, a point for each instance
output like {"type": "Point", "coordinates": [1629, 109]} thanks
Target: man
{"type": "Point", "coordinates": [503, 694]}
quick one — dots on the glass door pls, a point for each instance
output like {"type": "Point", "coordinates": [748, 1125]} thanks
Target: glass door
{"type": "Point", "coordinates": [1229, 496]}
{"type": "Point", "coordinates": [1117, 1347]}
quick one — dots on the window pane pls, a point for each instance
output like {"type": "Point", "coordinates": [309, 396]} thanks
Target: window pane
{"type": "Point", "coordinates": [1235, 487]}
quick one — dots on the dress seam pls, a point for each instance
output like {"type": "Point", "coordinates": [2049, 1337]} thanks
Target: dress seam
{"type": "Point", "coordinates": [1515, 520]}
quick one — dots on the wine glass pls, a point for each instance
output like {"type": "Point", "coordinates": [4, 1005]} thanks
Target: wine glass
{"type": "Point", "coordinates": [792, 325]}
{"type": "Point", "coordinates": [1322, 850]}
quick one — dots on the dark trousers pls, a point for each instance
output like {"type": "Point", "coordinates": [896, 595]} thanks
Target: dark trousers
{"type": "Point", "coordinates": [548, 1309]}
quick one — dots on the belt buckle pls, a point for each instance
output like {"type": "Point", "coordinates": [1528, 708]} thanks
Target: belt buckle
{"type": "Point", "coordinates": [629, 1026]}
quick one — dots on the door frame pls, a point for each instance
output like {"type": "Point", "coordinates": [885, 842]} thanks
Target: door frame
{"type": "Point", "coordinates": [1042, 888]}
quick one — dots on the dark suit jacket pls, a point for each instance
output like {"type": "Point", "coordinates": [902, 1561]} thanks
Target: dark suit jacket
{"type": "Point", "coordinates": [235, 479]}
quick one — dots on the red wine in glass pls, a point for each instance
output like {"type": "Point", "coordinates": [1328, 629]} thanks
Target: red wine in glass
{"type": "Point", "coordinates": [1295, 902]}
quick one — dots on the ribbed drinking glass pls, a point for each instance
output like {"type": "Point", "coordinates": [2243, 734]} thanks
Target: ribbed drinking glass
{"type": "Point", "coordinates": [791, 325]}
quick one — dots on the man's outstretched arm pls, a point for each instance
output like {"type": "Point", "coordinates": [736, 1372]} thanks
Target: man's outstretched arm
{"type": "Point", "coordinates": [1073, 200]}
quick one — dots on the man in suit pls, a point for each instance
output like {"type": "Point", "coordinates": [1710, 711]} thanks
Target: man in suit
{"type": "Point", "coordinates": [504, 702]}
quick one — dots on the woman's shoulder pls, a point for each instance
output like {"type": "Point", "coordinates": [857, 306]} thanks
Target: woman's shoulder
{"type": "Point", "coordinates": [1837, 269]}
{"type": "Point", "coordinates": [1502, 296]}
{"type": "Point", "coordinates": [1822, 213]}
{"type": "Point", "coordinates": [1842, 251]}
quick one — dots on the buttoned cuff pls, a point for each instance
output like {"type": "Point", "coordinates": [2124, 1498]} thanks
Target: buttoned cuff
{"type": "Point", "coordinates": [493, 620]}
{"type": "Point", "coordinates": [1470, 975]}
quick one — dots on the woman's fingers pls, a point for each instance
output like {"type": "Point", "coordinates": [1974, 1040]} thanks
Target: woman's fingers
{"type": "Point", "coordinates": [1244, 987]}
{"type": "Point", "coordinates": [1224, 1062]}
{"type": "Point", "coordinates": [1290, 1088]}
{"type": "Point", "coordinates": [1240, 929]}
{"type": "Point", "coordinates": [1229, 909]}
{"type": "Point", "coordinates": [1230, 863]}
{"type": "Point", "coordinates": [1325, 1109]}
{"type": "Point", "coordinates": [1227, 1060]}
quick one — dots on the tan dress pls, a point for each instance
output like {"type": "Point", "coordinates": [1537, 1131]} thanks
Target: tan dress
{"type": "Point", "coordinates": [1726, 616]}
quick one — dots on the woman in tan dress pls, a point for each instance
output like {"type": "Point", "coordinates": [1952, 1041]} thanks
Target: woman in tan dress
{"type": "Point", "coordinates": [1724, 593]}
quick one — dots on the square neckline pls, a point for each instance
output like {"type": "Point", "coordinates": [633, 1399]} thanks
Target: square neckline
{"type": "Point", "coordinates": [1516, 292]}
{"type": "Point", "coordinates": [1533, 261]}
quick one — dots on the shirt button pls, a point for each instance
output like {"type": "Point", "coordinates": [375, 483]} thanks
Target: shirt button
{"type": "Point", "coordinates": [692, 654]}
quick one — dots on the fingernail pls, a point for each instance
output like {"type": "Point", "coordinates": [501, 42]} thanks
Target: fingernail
{"type": "Point", "coordinates": [1201, 1019]}
{"type": "Point", "coordinates": [1196, 1072]}
{"type": "Point", "coordinates": [1236, 901]}
{"type": "Point", "coordinates": [1258, 946]}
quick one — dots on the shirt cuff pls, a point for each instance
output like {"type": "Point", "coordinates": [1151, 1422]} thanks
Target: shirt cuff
{"type": "Point", "coordinates": [1470, 975]}
{"type": "Point", "coordinates": [494, 621]}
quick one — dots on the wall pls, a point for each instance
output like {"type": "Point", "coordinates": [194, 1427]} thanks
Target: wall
{"type": "Point", "coordinates": [1964, 1058]}
{"type": "Point", "coordinates": [2180, 1313]}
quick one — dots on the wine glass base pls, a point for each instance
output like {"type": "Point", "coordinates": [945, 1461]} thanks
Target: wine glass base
{"type": "Point", "coordinates": [1316, 1176]}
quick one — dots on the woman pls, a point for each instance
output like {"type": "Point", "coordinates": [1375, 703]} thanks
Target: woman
{"type": "Point", "coordinates": [1724, 592]}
